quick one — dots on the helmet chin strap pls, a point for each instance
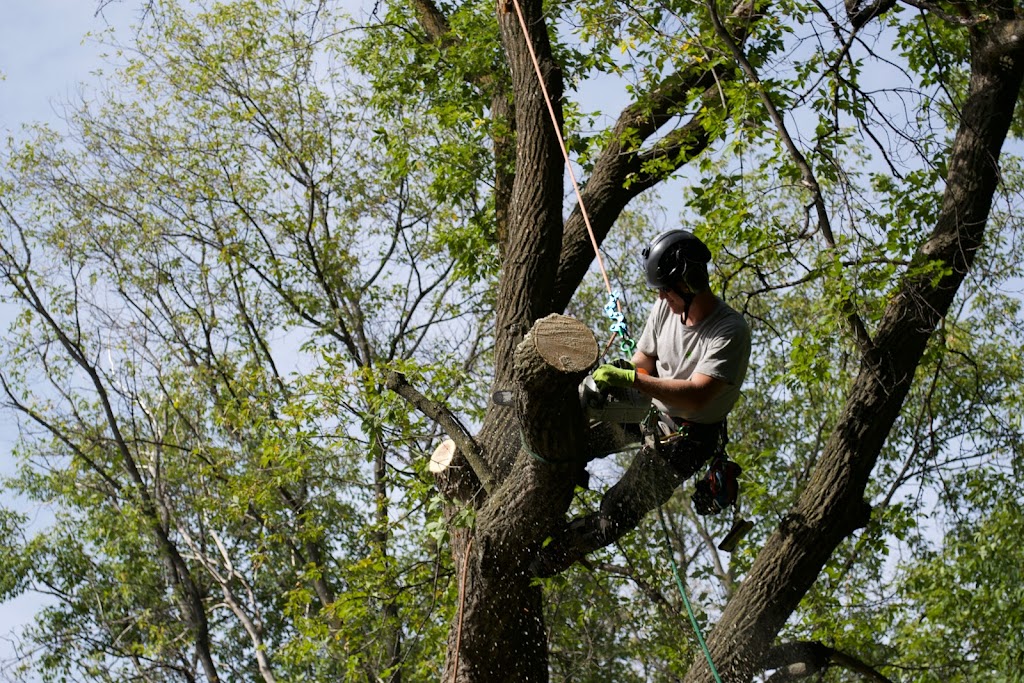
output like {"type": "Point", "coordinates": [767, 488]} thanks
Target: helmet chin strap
{"type": "Point", "coordinates": [687, 298]}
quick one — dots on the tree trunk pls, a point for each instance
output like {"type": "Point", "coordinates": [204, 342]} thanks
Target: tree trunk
{"type": "Point", "coordinates": [832, 505]}
{"type": "Point", "coordinates": [499, 634]}
{"type": "Point", "coordinates": [391, 630]}
{"type": "Point", "coordinates": [534, 237]}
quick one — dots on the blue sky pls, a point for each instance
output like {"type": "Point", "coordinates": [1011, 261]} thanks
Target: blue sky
{"type": "Point", "coordinates": [43, 56]}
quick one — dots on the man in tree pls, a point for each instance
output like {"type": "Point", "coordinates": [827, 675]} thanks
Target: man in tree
{"type": "Point", "coordinates": [690, 361]}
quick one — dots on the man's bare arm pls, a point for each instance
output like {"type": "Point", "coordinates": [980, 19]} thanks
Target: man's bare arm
{"type": "Point", "coordinates": [691, 394]}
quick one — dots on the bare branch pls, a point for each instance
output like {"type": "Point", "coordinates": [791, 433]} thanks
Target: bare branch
{"type": "Point", "coordinates": [860, 332]}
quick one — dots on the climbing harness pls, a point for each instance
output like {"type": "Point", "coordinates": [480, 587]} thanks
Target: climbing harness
{"type": "Point", "coordinates": [718, 489]}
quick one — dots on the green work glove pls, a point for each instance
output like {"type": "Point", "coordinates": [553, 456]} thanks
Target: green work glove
{"type": "Point", "coordinates": [619, 374]}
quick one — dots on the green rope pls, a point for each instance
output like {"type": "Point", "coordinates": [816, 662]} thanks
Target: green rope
{"type": "Point", "coordinates": [686, 600]}
{"type": "Point", "coordinates": [539, 458]}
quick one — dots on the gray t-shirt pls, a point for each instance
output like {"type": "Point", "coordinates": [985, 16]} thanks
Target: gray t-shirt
{"type": "Point", "coordinates": [718, 346]}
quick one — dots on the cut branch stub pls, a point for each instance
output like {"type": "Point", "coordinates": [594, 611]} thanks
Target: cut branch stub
{"type": "Point", "coordinates": [549, 365]}
{"type": "Point", "coordinates": [442, 457]}
{"type": "Point", "coordinates": [558, 349]}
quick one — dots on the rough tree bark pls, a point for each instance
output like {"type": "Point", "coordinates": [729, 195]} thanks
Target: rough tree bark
{"type": "Point", "coordinates": [499, 632]}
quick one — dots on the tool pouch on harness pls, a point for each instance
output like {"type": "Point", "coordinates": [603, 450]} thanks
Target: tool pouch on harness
{"type": "Point", "coordinates": [688, 449]}
{"type": "Point", "coordinates": [718, 489]}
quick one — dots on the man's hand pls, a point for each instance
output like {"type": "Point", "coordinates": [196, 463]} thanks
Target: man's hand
{"type": "Point", "coordinates": [618, 374]}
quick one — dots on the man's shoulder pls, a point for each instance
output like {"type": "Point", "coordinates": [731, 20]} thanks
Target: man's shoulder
{"type": "Point", "coordinates": [728, 318]}
{"type": "Point", "coordinates": [660, 312]}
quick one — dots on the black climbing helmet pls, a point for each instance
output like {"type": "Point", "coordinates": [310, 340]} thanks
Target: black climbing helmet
{"type": "Point", "coordinates": [676, 255]}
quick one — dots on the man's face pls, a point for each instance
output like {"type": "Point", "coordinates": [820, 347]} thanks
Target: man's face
{"type": "Point", "coordinates": [674, 301]}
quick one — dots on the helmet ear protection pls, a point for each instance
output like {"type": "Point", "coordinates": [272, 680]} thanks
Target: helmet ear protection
{"type": "Point", "coordinates": [671, 257]}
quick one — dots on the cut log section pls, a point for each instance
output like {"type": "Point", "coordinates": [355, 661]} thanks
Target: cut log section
{"type": "Point", "coordinates": [550, 362]}
{"type": "Point", "coordinates": [442, 457]}
{"type": "Point", "coordinates": [565, 344]}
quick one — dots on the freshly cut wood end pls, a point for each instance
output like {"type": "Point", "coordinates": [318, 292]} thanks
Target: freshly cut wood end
{"type": "Point", "coordinates": [565, 343]}
{"type": "Point", "coordinates": [442, 457]}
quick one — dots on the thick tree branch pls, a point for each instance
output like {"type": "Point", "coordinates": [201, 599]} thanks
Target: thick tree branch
{"type": "Point", "coordinates": [648, 482]}
{"type": "Point", "coordinates": [535, 217]}
{"type": "Point", "coordinates": [831, 506]}
{"type": "Point", "coordinates": [502, 600]}
{"type": "Point", "coordinates": [431, 19]}
{"type": "Point", "coordinates": [398, 383]}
